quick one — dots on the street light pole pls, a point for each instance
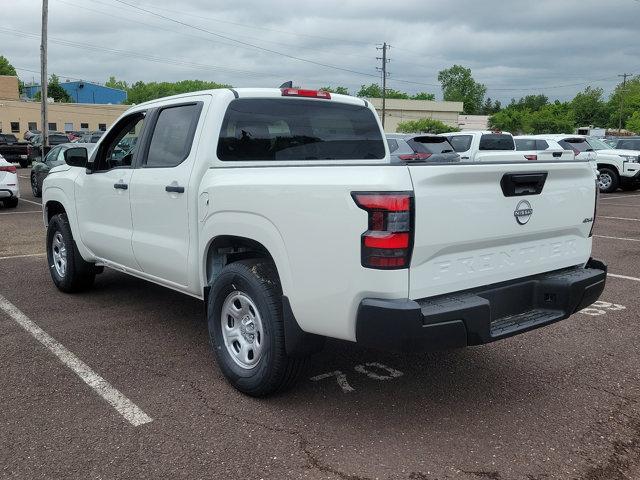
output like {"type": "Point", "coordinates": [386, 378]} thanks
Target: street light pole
{"type": "Point", "coordinates": [43, 80]}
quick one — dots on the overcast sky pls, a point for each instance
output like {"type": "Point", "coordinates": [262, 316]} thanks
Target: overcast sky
{"type": "Point", "coordinates": [515, 48]}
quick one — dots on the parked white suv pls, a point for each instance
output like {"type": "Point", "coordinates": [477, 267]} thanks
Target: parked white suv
{"type": "Point", "coordinates": [545, 149]}
{"type": "Point", "coordinates": [281, 209]}
{"type": "Point", "coordinates": [9, 184]}
{"type": "Point", "coordinates": [618, 168]}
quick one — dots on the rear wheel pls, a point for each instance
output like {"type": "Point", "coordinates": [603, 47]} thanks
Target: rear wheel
{"type": "Point", "coordinates": [69, 271]}
{"type": "Point", "coordinates": [35, 188]}
{"type": "Point", "coordinates": [10, 202]}
{"type": "Point", "coordinates": [608, 180]}
{"type": "Point", "coordinates": [246, 328]}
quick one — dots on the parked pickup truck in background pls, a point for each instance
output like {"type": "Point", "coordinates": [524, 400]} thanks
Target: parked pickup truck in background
{"type": "Point", "coordinates": [13, 150]}
{"type": "Point", "coordinates": [618, 168]}
{"type": "Point", "coordinates": [489, 146]}
{"type": "Point", "coordinates": [281, 209]}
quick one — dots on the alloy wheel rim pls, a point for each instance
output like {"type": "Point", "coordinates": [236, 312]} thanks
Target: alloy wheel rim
{"type": "Point", "coordinates": [242, 330]}
{"type": "Point", "coordinates": [59, 251]}
{"type": "Point", "coordinates": [34, 184]}
{"type": "Point", "coordinates": [604, 181]}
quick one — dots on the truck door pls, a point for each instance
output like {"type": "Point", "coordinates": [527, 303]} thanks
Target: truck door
{"type": "Point", "coordinates": [161, 201]}
{"type": "Point", "coordinates": [102, 196]}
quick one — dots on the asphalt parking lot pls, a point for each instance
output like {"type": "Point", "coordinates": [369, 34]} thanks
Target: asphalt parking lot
{"type": "Point", "coordinates": [560, 402]}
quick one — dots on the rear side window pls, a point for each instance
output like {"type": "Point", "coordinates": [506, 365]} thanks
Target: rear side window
{"type": "Point", "coordinates": [172, 135]}
{"type": "Point", "coordinates": [393, 144]}
{"type": "Point", "coordinates": [525, 144]}
{"type": "Point", "coordinates": [577, 144]}
{"type": "Point", "coordinates": [269, 129]}
{"type": "Point", "coordinates": [460, 143]}
{"type": "Point", "coordinates": [541, 145]}
{"type": "Point", "coordinates": [497, 141]}
{"type": "Point", "coordinates": [629, 144]}
{"type": "Point", "coordinates": [430, 145]}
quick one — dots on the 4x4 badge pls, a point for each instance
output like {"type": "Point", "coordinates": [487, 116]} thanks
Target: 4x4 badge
{"type": "Point", "coordinates": [523, 212]}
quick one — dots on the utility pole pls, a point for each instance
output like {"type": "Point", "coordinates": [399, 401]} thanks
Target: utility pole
{"type": "Point", "coordinates": [624, 84]}
{"type": "Point", "coordinates": [43, 80]}
{"type": "Point", "coordinates": [383, 69]}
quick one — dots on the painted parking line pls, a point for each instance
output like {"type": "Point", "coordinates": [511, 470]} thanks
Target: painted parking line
{"type": "Point", "coordinates": [20, 213]}
{"type": "Point", "coordinates": [619, 238]}
{"type": "Point", "coordinates": [621, 218]}
{"type": "Point", "coordinates": [23, 256]}
{"type": "Point", "coordinates": [625, 277]}
{"type": "Point", "coordinates": [619, 205]}
{"type": "Point", "coordinates": [30, 201]}
{"type": "Point", "coordinates": [125, 407]}
{"type": "Point", "coordinates": [25, 176]}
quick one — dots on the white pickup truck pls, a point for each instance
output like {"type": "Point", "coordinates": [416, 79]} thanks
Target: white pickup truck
{"type": "Point", "coordinates": [494, 146]}
{"type": "Point", "coordinates": [281, 209]}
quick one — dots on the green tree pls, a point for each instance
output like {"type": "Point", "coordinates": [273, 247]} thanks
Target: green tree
{"type": "Point", "coordinates": [338, 90]}
{"type": "Point", "coordinates": [510, 119]}
{"type": "Point", "coordinates": [425, 125]}
{"type": "Point", "coordinates": [6, 68]}
{"type": "Point", "coordinates": [55, 91]}
{"type": "Point", "coordinates": [631, 96]}
{"type": "Point", "coordinates": [374, 91]}
{"type": "Point", "coordinates": [589, 108]}
{"type": "Point", "coordinates": [530, 102]}
{"type": "Point", "coordinates": [458, 85]}
{"type": "Point", "coordinates": [554, 118]}
{"type": "Point", "coordinates": [119, 84]}
{"type": "Point", "coordinates": [142, 92]}
{"type": "Point", "coordinates": [633, 123]}
{"type": "Point", "coordinates": [489, 107]}
{"type": "Point", "coordinates": [423, 96]}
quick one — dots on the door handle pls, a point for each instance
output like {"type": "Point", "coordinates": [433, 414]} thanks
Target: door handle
{"type": "Point", "coordinates": [121, 186]}
{"type": "Point", "coordinates": [174, 189]}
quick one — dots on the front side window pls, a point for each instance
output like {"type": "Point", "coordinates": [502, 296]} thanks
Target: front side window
{"type": "Point", "coordinates": [460, 143]}
{"type": "Point", "coordinates": [52, 155]}
{"type": "Point", "coordinates": [172, 136]}
{"type": "Point", "coordinates": [578, 145]}
{"type": "Point", "coordinates": [628, 144]}
{"type": "Point", "coordinates": [598, 144]}
{"type": "Point", "coordinates": [283, 129]}
{"type": "Point", "coordinates": [111, 154]}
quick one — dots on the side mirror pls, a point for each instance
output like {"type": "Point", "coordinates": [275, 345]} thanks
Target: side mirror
{"type": "Point", "coordinates": [76, 157]}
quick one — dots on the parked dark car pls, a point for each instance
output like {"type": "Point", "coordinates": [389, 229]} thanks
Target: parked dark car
{"type": "Point", "coordinates": [55, 157]}
{"type": "Point", "coordinates": [420, 147]}
{"type": "Point", "coordinates": [35, 147]}
{"type": "Point", "coordinates": [13, 150]}
{"type": "Point", "coordinates": [628, 143]}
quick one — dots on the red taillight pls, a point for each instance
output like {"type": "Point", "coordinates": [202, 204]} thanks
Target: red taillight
{"type": "Point", "coordinates": [414, 156]}
{"type": "Point", "coordinates": [8, 168]}
{"type": "Point", "coordinates": [299, 92]}
{"type": "Point", "coordinates": [388, 242]}
{"type": "Point", "coordinates": [531, 157]}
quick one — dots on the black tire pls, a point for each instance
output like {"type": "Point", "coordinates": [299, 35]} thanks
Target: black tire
{"type": "Point", "coordinates": [613, 183]}
{"type": "Point", "coordinates": [10, 202]}
{"type": "Point", "coordinates": [24, 163]}
{"type": "Point", "coordinates": [274, 371]}
{"type": "Point", "coordinates": [35, 188]}
{"type": "Point", "coordinates": [630, 188]}
{"type": "Point", "coordinates": [78, 274]}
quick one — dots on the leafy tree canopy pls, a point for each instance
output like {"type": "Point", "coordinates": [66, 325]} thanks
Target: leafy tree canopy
{"type": "Point", "coordinates": [55, 91]}
{"type": "Point", "coordinates": [6, 68]}
{"type": "Point", "coordinates": [425, 125]}
{"type": "Point", "coordinates": [339, 90]}
{"type": "Point", "coordinates": [140, 91]}
{"type": "Point", "coordinates": [458, 85]}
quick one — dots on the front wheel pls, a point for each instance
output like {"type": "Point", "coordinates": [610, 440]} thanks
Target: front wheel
{"type": "Point", "coordinates": [246, 328]}
{"type": "Point", "coordinates": [608, 180]}
{"type": "Point", "coordinates": [69, 271]}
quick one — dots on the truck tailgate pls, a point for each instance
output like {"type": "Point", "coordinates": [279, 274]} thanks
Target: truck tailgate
{"type": "Point", "coordinates": [470, 233]}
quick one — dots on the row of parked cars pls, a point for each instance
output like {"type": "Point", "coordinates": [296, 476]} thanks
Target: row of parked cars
{"type": "Point", "coordinates": [29, 152]}
{"type": "Point", "coordinates": [618, 165]}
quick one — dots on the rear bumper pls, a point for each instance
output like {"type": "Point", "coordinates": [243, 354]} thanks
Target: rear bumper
{"type": "Point", "coordinates": [479, 316]}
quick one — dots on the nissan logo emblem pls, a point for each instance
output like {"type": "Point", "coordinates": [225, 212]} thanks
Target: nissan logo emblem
{"type": "Point", "coordinates": [523, 212]}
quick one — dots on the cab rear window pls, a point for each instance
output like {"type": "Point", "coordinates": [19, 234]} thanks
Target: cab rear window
{"type": "Point", "coordinates": [496, 141]}
{"type": "Point", "coordinates": [279, 129]}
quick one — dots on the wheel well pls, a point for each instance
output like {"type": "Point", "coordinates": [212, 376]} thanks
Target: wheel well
{"type": "Point", "coordinates": [227, 249]}
{"type": "Point", "coordinates": [53, 208]}
{"type": "Point", "coordinates": [611, 167]}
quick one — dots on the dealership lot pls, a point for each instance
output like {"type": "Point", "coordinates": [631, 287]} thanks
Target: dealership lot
{"type": "Point", "coordinates": [560, 402]}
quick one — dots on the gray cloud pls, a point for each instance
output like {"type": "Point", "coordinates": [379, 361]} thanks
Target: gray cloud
{"type": "Point", "coordinates": [515, 48]}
